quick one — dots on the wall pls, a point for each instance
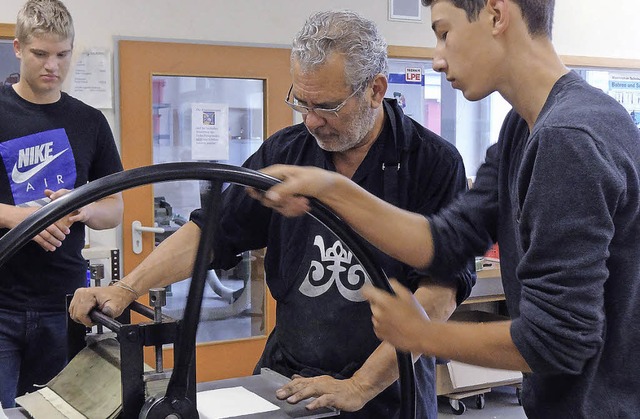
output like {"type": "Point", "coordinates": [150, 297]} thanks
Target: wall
{"type": "Point", "coordinates": [583, 27]}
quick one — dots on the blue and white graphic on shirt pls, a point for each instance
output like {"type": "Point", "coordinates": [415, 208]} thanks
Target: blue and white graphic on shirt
{"type": "Point", "coordinates": [335, 266]}
{"type": "Point", "coordinates": [37, 162]}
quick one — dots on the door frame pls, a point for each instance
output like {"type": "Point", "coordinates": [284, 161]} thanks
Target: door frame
{"type": "Point", "coordinates": [7, 30]}
{"type": "Point", "coordinates": [138, 61]}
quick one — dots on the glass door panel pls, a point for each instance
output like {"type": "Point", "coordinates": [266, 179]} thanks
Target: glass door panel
{"type": "Point", "coordinates": [219, 120]}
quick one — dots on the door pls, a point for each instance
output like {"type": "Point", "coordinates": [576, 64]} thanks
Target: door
{"type": "Point", "coordinates": [166, 89]}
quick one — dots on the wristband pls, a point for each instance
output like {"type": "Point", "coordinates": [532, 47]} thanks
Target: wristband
{"type": "Point", "coordinates": [124, 286]}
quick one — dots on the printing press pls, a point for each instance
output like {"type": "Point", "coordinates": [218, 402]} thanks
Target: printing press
{"type": "Point", "coordinates": [115, 353]}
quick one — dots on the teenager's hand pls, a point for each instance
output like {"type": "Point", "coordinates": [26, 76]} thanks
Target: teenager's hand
{"type": "Point", "coordinates": [397, 319]}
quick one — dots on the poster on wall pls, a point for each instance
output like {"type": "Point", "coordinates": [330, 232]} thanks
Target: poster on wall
{"type": "Point", "coordinates": [625, 88]}
{"type": "Point", "coordinates": [209, 131]}
{"type": "Point", "coordinates": [91, 82]}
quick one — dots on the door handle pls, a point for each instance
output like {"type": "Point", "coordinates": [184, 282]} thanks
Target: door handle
{"type": "Point", "coordinates": [136, 234]}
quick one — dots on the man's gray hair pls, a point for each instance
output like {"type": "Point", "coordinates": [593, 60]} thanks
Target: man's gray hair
{"type": "Point", "coordinates": [44, 17]}
{"type": "Point", "coordinates": [343, 32]}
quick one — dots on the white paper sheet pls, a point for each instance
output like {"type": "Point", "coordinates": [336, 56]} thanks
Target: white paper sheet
{"type": "Point", "coordinates": [91, 81]}
{"type": "Point", "coordinates": [209, 131]}
{"type": "Point", "coordinates": [231, 402]}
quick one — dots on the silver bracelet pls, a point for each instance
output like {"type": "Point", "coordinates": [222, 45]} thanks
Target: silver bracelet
{"type": "Point", "coordinates": [124, 286]}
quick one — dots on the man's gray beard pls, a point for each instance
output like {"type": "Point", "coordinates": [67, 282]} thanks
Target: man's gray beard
{"type": "Point", "coordinates": [359, 127]}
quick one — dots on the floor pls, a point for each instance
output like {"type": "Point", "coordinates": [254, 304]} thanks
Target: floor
{"type": "Point", "coordinates": [499, 403]}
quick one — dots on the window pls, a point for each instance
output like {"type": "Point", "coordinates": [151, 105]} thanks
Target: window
{"type": "Point", "coordinates": [427, 97]}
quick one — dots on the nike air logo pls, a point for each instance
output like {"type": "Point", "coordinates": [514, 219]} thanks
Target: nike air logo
{"type": "Point", "coordinates": [20, 177]}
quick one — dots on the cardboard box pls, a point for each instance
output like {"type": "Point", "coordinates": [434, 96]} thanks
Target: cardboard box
{"type": "Point", "coordinates": [456, 377]}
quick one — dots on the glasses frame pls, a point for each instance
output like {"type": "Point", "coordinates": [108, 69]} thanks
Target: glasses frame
{"type": "Point", "coordinates": [321, 112]}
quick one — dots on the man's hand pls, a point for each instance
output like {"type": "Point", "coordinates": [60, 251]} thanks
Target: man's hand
{"type": "Point", "coordinates": [50, 238]}
{"type": "Point", "coordinates": [345, 395]}
{"type": "Point", "coordinates": [81, 215]}
{"type": "Point", "coordinates": [110, 300]}
{"type": "Point", "coordinates": [400, 319]}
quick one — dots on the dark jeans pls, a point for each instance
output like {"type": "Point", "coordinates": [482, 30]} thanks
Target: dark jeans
{"type": "Point", "coordinates": [33, 350]}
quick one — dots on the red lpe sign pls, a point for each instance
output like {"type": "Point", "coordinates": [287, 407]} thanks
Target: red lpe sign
{"type": "Point", "coordinates": [413, 74]}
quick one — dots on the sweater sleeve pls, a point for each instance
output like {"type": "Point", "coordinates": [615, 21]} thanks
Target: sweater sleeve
{"type": "Point", "coordinates": [567, 191]}
{"type": "Point", "coordinates": [467, 227]}
{"type": "Point", "coordinates": [447, 180]}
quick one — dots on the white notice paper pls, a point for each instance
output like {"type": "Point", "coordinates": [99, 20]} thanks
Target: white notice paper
{"type": "Point", "coordinates": [92, 78]}
{"type": "Point", "coordinates": [231, 402]}
{"type": "Point", "coordinates": [209, 131]}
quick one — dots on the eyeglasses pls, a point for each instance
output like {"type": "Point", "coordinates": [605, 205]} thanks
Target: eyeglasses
{"type": "Point", "coordinates": [321, 112]}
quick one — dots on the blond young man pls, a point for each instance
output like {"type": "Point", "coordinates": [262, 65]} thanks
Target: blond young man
{"type": "Point", "coordinates": [50, 143]}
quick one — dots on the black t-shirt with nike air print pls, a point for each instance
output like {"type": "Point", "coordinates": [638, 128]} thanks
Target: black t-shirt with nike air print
{"type": "Point", "coordinates": [54, 146]}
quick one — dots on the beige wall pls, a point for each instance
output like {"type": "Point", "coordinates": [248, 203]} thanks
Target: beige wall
{"type": "Point", "coordinates": [583, 27]}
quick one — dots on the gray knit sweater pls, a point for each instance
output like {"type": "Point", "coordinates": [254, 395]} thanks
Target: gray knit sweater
{"type": "Point", "coordinates": [564, 204]}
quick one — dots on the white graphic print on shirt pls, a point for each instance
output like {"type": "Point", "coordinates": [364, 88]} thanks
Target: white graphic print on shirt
{"type": "Point", "coordinates": [36, 162]}
{"type": "Point", "coordinates": [335, 266]}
